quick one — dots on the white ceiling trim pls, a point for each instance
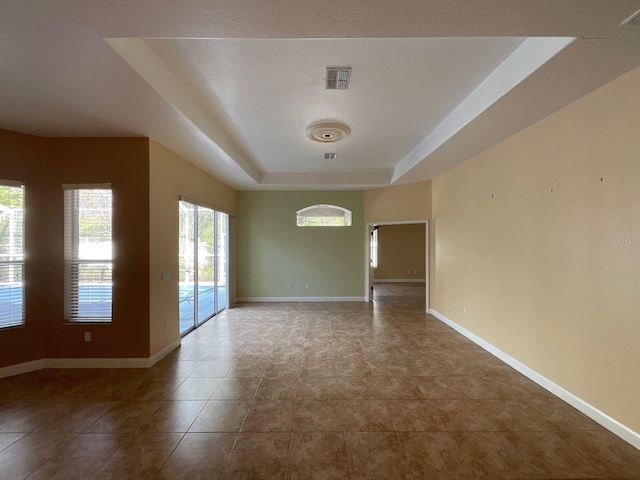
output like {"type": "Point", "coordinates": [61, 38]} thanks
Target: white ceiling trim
{"type": "Point", "coordinates": [142, 59]}
{"type": "Point", "coordinates": [343, 179]}
{"type": "Point", "coordinates": [526, 59]}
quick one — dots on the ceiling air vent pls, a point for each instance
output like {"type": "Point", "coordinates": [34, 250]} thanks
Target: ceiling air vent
{"type": "Point", "coordinates": [330, 156]}
{"type": "Point", "coordinates": [633, 20]}
{"type": "Point", "coordinates": [338, 78]}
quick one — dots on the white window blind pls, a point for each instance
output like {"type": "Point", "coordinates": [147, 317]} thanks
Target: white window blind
{"type": "Point", "coordinates": [11, 254]}
{"type": "Point", "coordinates": [88, 253]}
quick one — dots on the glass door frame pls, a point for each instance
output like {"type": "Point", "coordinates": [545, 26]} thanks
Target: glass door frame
{"type": "Point", "coordinates": [216, 264]}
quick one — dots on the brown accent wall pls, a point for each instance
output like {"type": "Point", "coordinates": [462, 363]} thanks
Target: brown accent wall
{"type": "Point", "coordinates": [401, 252]}
{"type": "Point", "coordinates": [45, 164]}
{"type": "Point", "coordinates": [23, 158]}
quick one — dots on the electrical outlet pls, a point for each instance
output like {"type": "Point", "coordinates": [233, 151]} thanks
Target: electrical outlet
{"type": "Point", "coordinates": [164, 276]}
{"type": "Point", "coordinates": [166, 326]}
{"type": "Point", "coordinates": [87, 336]}
{"type": "Point", "coordinates": [288, 285]}
{"type": "Point", "coordinates": [307, 286]}
{"type": "Point", "coordinates": [465, 310]}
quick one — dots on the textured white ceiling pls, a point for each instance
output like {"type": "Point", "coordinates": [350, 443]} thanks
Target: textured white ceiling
{"type": "Point", "coordinates": [66, 69]}
{"type": "Point", "coordinates": [266, 92]}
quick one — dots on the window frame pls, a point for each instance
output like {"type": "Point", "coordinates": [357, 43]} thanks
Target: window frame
{"type": "Point", "coordinates": [347, 215]}
{"type": "Point", "coordinates": [21, 261]}
{"type": "Point", "coordinates": [72, 262]}
{"type": "Point", "coordinates": [374, 246]}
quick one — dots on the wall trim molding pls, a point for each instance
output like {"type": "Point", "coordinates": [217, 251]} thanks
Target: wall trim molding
{"type": "Point", "coordinates": [20, 368]}
{"type": "Point", "coordinates": [399, 280]}
{"type": "Point", "coordinates": [614, 426]}
{"type": "Point", "coordinates": [42, 363]}
{"type": "Point", "coordinates": [160, 354]}
{"type": "Point", "coordinates": [298, 299]}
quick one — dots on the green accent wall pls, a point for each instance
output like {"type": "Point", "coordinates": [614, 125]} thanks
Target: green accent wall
{"type": "Point", "coordinates": [274, 252]}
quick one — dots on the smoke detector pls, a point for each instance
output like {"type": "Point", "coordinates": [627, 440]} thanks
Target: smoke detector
{"type": "Point", "coordinates": [338, 78]}
{"type": "Point", "coordinates": [328, 132]}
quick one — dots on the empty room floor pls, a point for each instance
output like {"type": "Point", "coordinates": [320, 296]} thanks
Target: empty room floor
{"type": "Point", "coordinates": [304, 391]}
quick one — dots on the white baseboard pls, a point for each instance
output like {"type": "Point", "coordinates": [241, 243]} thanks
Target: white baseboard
{"type": "Point", "coordinates": [399, 280]}
{"type": "Point", "coordinates": [299, 299]}
{"type": "Point", "coordinates": [159, 355]}
{"type": "Point", "coordinates": [21, 368]}
{"type": "Point", "coordinates": [614, 426]}
{"type": "Point", "coordinates": [32, 366]}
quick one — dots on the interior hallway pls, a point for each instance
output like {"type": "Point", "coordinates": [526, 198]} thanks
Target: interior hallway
{"type": "Point", "coordinates": [316, 390]}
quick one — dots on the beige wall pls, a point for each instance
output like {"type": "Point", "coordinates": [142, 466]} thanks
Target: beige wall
{"type": "Point", "coordinates": [538, 238]}
{"type": "Point", "coordinates": [398, 203]}
{"type": "Point", "coordinates": [45, 164]}
{"type": "Point", "coordinates": [170, 177]}
{"type": "Point", "coordinates": [401, 252]}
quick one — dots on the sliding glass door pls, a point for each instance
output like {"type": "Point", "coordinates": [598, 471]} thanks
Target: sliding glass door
{"type": "Point", "coordinates": [222, 244]}
{"type": "Point", "coordinates": [206, 264]}
{"type": "Point", "coordinates": [203, 253]}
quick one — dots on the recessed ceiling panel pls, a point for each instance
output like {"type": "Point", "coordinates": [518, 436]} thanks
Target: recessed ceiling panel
{"type": "Point", "coordinates": [266, 92]}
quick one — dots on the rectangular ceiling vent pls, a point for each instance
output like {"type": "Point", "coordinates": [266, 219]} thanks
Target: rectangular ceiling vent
{"type": "Point", "coordinates": [330, 156]}
{"type": "Point", "coordinates": [633, 19]}
{"type": "Point", "coordinates": [338, 78]}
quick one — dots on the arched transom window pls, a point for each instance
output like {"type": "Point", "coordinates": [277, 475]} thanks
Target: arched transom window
{"type": "Point", "coordinates": [324, 216]}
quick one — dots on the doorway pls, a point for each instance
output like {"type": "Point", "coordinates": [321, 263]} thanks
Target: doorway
{"type": "Point", "coordinates": [397, 259]}
{"type": "Point", "coordinates": [203, 254]}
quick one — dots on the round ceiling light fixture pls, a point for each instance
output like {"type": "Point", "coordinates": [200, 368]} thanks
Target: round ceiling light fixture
{"type": "Point", "coordinates": [328, 132]}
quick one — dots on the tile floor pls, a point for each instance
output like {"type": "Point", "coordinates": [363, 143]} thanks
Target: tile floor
{"type": "Point", "coordinates": [305, 391]}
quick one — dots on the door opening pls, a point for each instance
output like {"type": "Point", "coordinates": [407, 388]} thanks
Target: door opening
{"type": "Point", "coordinates": [397, 260]}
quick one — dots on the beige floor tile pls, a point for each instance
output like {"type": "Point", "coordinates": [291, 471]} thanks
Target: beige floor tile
{"type": "Point", "coordinates": [172, 416]}
{"type": "Point", "coordinates": [29, 453]}
{"type": "Point", "coordinates": [81, 458]}
{"type": "Point", "coordinates": [257, 456]}
{"type": "Point", "coordinates": [318, 416]}
{"type": "Point", "coordinates": [212, 368]}
{"type": "Point", "coordinates": [546, 454]}
{"type": "Point", "coordinates": [124, 417]}
{"type": "Point", "coordinates": [365, 416]}
{"type": "Point", "coordinates": [375, 456]}
{"type": "Point", "coordinates": [269, 416]}
{"type": "Point", "coordinates": [436, 455]}
{"type": "Point", "coordinates": [401, 393]}
{"type": "Point", "coordinates": [221, 416]}
{"type": "Point", "coordinates": [196, 389]}
{"type": "Point", "coordinates": [236, 388]}
{"type": "Point", "coordinates": [606, 453]}
{"type": "Point", "coordinates": [139, 456]}
{"type": "Point", "coordinates": [8, 439]}
{"type": "Point", "coordinates": [317, 456]}
{"type": "Point", "coordinates": [278, 388]}
{"type": "Point", "coordinates": [199, 456]}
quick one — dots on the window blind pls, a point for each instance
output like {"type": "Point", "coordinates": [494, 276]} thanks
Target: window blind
{"type": "Point", "coordinates": [88, 254]}
{"type": "Point", "coordinates": [11, 254]}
